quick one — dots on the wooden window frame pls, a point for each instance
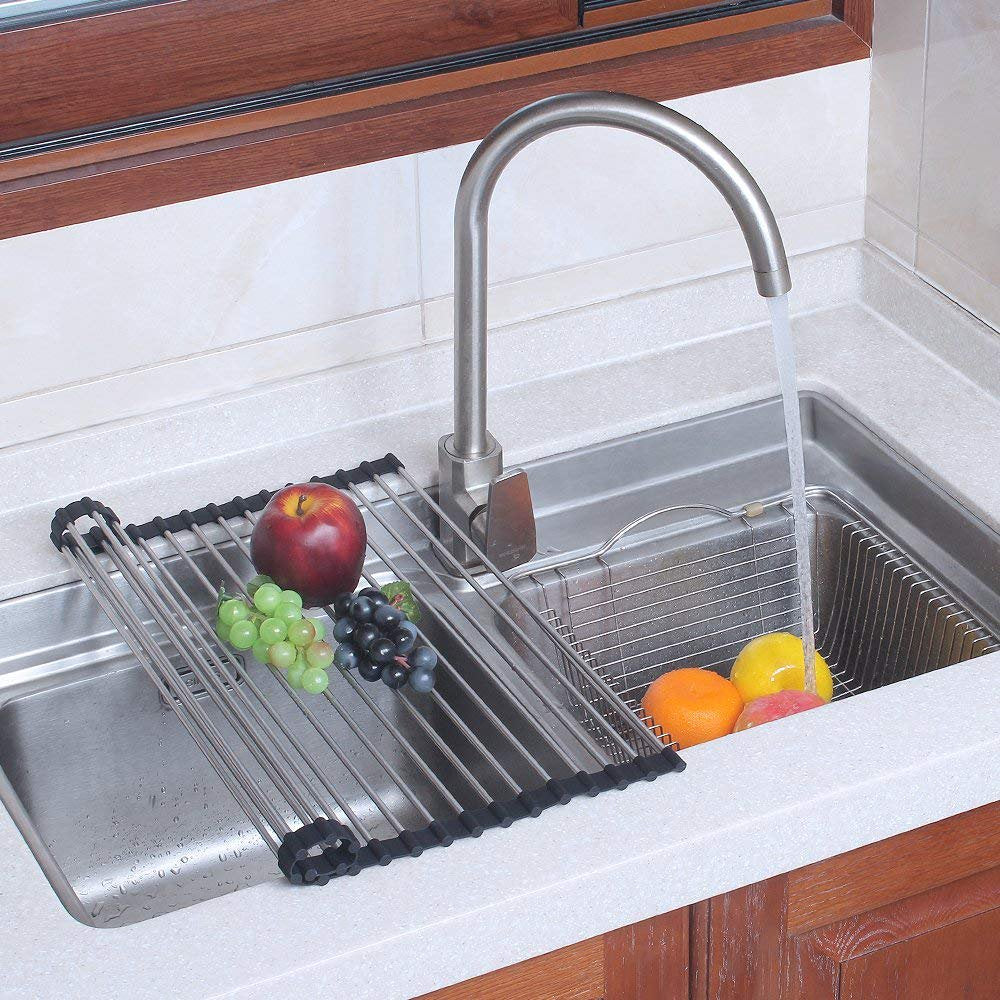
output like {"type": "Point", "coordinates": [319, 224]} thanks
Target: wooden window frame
{"type": "Point", "coordinates": [133, 166]}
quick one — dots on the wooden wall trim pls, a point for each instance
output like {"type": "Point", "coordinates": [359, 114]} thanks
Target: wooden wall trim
{"type": "Point", "coordinates": [140, 61]}
{"type": "Point", "coordinates": [151, 178]}
{"type": "Point", "coordinates": [634, 9]}
{"type": "Point", "coordinates": [441, 85]}
{"type": "Point", "coordinates": [859, 16]}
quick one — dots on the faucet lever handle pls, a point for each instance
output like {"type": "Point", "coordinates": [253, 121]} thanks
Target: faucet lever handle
{"type": "Point", "coordinates": [510, 520]}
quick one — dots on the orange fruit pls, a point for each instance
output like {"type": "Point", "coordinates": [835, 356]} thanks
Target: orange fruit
{"type": "Point", "coordinates": [693, 705]}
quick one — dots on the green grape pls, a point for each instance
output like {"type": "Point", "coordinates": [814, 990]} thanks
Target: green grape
{"type": "Point", "coordinates": [315, 680]}
{"type": "Point", "coordinates": [267, 598]}
{"type": "Point", "coordinates": [319, 654]}
{"type": "Point", "coordinates": [222, 631]}
{"type": "Point", "coordinates": [291, 597]}
{"type": "Point", "coordinates": [232, 611]}
{"type": "Point", "coordinates": [282, 655]}
{"type": "Point", "coordinates": [301, 633]}
{"type": "Point", "coordinates": [296, 672]}
{"type": "Point", "coordinates": [257, 582]}
{"type": "Point", "coordinates": [243, 635]}
{"type": "Point", "coordinates": [272, 630]}
{"type": "Point", "coordinates": [320, 627]}
{"type": "Point", "coordinates": [288, 613]}
{"type": "Point", "coordinates": [261, 649]}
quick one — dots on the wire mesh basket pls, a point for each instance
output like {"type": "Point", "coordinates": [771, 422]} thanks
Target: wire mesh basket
{"type": "Point", "coordinates": [362, 774]}
{"type": "Point", "coordinates": [648, 602]}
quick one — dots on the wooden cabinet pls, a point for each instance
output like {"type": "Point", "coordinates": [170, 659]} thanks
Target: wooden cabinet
{"type": "Point", "coordinates": [954, 962]}
{"type": "Point", "coordinates": [916, 917]}
{"type": "Point", "coordinates": [648, 959]}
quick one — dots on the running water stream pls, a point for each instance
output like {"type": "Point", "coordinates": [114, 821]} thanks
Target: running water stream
{"type": "Point", "coordinates": [785, 352]}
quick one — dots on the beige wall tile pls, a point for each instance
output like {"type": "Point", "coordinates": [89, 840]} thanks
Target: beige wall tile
{"type": "Point", "coordinates": [960, 178]}
{"type": "Point", "coordinates": [896, 123]}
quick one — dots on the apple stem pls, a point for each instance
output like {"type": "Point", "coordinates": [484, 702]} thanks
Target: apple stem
{"type": "Point", "coordinates": [302, 499]}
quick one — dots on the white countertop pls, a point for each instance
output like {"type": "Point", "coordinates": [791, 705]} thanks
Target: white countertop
{"type": "Point", "coordinates": [879, 342]}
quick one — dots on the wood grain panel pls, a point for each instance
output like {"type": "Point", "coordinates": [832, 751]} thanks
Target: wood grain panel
{"type": "Point", "coordinates": [957, 962]}
{"type": "Point", "coordinates": [169, 55]}
{"type": "Point", "coordinates": [746, 942]}
{"type": "Point", "coordinates": [573, 973]}
{"type": "Point", "coordinates": [637, 9]}
{"type": "Point", "coordinates": [159, 177]}
{"type": "Point", "coordinates": [648, 959]}
{"type": "Point", "coordinates": [698, 951]}
{"type": "Point", "coordinates": [910, 917]}
{"type": "Point", "coordinates": [858, 15]}
{"type": "Point", "coordinates": [441, 85]}
{"type": "Point", "coordinates": [894, 869]}
{"type": "Point", "coordinates": [817, 958]}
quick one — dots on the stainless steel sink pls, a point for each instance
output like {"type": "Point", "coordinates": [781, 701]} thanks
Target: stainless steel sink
{"type": "Point", "coordinates": [128, 820]}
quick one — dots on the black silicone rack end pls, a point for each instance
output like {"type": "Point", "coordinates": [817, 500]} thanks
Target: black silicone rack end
{"type": "Point", "coordinates": [338, 853]}
{"type": "Point", "coordinates": [207, 514]}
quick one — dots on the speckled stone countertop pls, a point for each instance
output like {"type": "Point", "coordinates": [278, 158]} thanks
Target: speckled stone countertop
{"type": "Point", "coordinates": [877, 341]}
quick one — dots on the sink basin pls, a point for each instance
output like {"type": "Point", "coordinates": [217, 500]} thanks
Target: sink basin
{"type": "Point", "coordinates": [128, 820]}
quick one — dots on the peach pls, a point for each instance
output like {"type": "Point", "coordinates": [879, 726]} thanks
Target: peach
{"type": "Point", "coordinates": [769, 707]}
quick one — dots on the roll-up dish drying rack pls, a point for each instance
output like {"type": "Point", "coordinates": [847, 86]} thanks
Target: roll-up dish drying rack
{"type": "Point", "coordinates": [362, 775]}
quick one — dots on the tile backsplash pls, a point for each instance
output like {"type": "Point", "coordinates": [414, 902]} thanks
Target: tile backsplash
{"type": "Point", "coordinates": [935, 159]}
{"type": "Point", "coordinates": [129, 315]}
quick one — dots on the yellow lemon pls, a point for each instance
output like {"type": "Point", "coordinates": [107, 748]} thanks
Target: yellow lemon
{"type": "Point", "coordinates": [776, 662]}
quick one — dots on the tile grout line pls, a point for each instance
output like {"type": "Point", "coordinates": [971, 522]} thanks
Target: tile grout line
{"type": "Point", "coordinates": [421, 297]}
{"type": "Point", "coordinates": [923, 125]}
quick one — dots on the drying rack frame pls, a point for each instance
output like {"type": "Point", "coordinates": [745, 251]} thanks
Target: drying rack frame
{"type": "Point", "coordinates": [328, 839]}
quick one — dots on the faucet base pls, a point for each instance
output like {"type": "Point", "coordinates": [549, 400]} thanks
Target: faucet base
{"type": "Point", "coordinates": [491, 507]}
{"type": "Point", "coordinates": [463, 492]}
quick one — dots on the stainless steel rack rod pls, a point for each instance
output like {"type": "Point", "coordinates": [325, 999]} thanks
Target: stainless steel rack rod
{"type": "Point", "coordinates": [673, 567]}
{"type": "Point", "coordinates": [237, 707]}
{"type": "Point", "coordinates": [620, 597]}
{"type": "Point", "coordinates": [535, 687]}
{"type": "Point", "coordinates": [435, 737]}
{"type": "Point", "coordinates": [317, 725]}
{"type": "Point", "coordinates": [171, 685]}
{"type": "Point", "coordinates": [410, 795]}
{"type": "Point", "coordinates": [540, 726]}
{"type": "Point", "coordinates": [628, 717]}
{"type": "Point", "coordinates": [352, 817]}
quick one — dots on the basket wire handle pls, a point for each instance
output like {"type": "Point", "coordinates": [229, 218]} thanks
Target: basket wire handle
{"type": "Point", "coordinates": [606, 547]}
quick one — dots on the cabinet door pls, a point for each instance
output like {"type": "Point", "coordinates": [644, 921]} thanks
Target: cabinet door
{"type": "Point", "coordinates": [957, 962]}
{"type": "Point", "coordinates": [938, 945]}
{"type": "Point", "coordinates": [916, 917]}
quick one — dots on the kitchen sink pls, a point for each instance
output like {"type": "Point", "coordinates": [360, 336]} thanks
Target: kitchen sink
{"type": "Point", "coordinates": [128, 820]}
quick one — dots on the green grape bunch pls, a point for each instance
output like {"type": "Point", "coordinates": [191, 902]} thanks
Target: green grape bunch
{"type": "Point", "coordinates": [273, 627]}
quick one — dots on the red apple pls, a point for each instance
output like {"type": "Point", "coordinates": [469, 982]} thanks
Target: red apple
{"type": "Point", "coordinates": [311, 539]}
{"type": "Point", "coordinates": [770, 707]}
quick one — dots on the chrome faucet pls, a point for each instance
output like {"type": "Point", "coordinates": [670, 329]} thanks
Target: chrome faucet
{"type": "Point", "coordinates": [495, 505]}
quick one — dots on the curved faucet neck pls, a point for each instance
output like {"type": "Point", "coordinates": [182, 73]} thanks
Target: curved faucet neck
{"type": "Point", "coordinates": [471, 439]}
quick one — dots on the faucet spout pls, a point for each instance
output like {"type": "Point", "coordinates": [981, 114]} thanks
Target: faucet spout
{"type": "Point", "coordinates": [471, 458]}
